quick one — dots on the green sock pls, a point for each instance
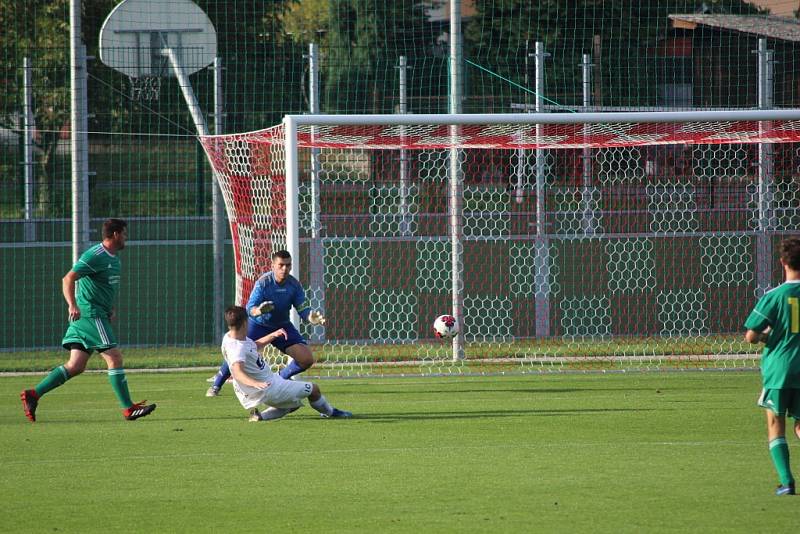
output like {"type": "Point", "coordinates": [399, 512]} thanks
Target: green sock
{"type": "Point", "coordinates": [55, 378]}
{"type": "Point", "coordinates": [779, 451]}
{"type": "Point", "coordinates": [120, 385]}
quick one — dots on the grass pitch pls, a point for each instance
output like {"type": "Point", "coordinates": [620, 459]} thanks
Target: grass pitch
{"type": "Point", "coordinates": [659, 452]}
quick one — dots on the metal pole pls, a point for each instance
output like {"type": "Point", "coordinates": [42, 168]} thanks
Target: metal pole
{"type": "Point", "coordinates": [30, 226]}
{"type": "Point", "coordinates": [84, 134]}
{"type": "Point", "coordinates": [188, 92]}
{"type": "Point", "coordinates": [766, 179]}
{"type": "Point", "coordinates": [589, 221]}
{"type": "Point", "coordinates": [542, 254]}
{"type": "Point", "coordinates": [405, 222]}
{"type": "Point", "coordinates": [79, 155]}
{"type": "Point", "coordinates": [218, 212]}
{"type": "Point", "coordinates": [292, 193]}
{"type": "Point", "coordinates": [521, 153]}
{"type": "Point", "coordinates": [456, 188]}
{"type": "Point", "coordinates": [316, 247]}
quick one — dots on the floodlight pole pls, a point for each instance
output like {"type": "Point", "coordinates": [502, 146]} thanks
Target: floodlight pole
{"type": "Point", "coordinates": [456, 189]}
{"type": "Point", "coordinates": [405, 222]}
{"type": "Point", "coordinates": [316, 256]}
{"type": "Point", "coordinates": [78, 135]}
{"type": "Point", "coordinates": [542, 252]}
{"type": "Point", "coordinates": [766, 178]}
{"type": "Point", "coordinates": [217, 212]}
{"type": "Point", "coordinates": [28, 126]}
{"type": "Point", "coordinates": [589, 220]}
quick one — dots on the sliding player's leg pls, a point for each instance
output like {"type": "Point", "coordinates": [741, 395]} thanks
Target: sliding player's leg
{"type": "Point", "coordinates": [223, 374]}
{"type": "Point", "coordinates": [271, 413]}
{"type": "Point", "coordinates": [288, 393]}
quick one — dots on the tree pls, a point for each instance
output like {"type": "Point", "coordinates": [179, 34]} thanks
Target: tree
{"type": "Point", "coordinates": [306, 21]}
{"type": "Point", "coordinates": [263, 68]}
{"type": "Point", "coordinates": [39, 30]}
{"type": "Point", "coordinates": [364, 42]}
{"type": "Point", "coordinates": [504, 31]}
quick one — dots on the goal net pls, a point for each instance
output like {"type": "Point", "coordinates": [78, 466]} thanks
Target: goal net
{"type": "Point", "coordinates": [580, 241]}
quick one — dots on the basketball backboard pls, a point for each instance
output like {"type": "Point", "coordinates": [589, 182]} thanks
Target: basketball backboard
{"type": "Point", "coordinates": [136, 31]}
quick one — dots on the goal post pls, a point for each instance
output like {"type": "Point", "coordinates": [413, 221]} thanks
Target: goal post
{"type": "Point", "coordinates": [661, 277]}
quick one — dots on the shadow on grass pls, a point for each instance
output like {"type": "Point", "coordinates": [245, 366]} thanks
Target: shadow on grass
{"type": "Point", "coordinates": [487, 414]}
{"type": "Point", "coordinates": [408, 391]}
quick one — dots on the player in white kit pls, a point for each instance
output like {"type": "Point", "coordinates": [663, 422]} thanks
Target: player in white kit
{"type": "Point", "coordinates": [256, 384]}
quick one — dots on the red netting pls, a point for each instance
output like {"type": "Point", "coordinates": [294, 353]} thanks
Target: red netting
{"type": "Point", "coordinates": [251, 176]}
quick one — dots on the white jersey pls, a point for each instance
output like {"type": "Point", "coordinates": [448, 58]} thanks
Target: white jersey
{"type": "Point", "coordinates": [246, 351]}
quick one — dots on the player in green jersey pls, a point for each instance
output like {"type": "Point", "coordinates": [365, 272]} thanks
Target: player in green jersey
{"type": "Point", "coordinates": [90, 289]}
{"type": "Point", "coordinates": [776, 321]}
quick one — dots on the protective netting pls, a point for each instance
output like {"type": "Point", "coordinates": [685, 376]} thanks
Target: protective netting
{"type": "Point", "coordinates": [617, 257]}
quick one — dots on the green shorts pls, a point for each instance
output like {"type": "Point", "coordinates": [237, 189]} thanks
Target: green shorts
{"type": "Point", "coordinates": [94, 333]}
{"type": "Point", "coordinates": [781, 401]}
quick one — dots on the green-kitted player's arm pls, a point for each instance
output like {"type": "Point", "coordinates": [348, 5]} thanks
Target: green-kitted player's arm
{"type": "Point", "coordinates": [759, 322]}
{"type": "Point", "coordinates": [751, 336]}
{"type": "Point", "coordinates": [68, 290]}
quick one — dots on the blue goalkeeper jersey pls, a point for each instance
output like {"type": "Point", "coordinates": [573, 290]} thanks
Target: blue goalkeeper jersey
{"type": "Point", "coordinates": [283, 296]}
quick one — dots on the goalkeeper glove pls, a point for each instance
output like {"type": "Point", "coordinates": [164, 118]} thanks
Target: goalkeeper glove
{"type": "Point", "coordinates": [316, 318]}
{"type": "Point", "coordinates": [266, 307]}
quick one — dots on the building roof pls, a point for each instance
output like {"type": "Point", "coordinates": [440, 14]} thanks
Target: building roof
{"type": "Point", "coordinates": [782, 28]}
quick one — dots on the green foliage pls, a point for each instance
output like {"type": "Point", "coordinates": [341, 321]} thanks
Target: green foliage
{"type": "Point", "coordinates": [307, 21]}
{"type": "Point", "coordinates": [628, 32]}
{"type": "Point", "coordinates": [359, 72]}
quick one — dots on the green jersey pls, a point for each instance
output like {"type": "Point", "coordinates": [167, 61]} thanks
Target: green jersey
{"type": "Point", "coordinates": [97, 287]}
{"type": "Point", "coordinates": [780, 310]}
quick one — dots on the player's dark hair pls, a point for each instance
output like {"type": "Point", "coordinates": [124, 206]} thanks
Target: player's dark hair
{"type": "Point", "coordinates": [235, 317]}
{"type": "Point", "coordinates": [282, 254]}
{"type": "Point", "coordinates": [111, 226]}
{"type": "Point", "coordinates": [790, 252]}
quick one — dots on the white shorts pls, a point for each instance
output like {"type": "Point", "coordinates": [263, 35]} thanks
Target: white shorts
{"type": "Point", "coordinates": [283, 393]}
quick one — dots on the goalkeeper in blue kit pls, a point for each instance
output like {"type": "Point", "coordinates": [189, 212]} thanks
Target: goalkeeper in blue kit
{"type": "Point", "coordinates": [775, 321]}
{"type": "Point", "coordinates": [268, 308]}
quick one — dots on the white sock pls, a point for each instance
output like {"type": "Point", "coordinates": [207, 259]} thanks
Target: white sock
{"type": "Point", "coordinates": [322, 406]}
{"type": "Point", "coordinates": [274, 413]}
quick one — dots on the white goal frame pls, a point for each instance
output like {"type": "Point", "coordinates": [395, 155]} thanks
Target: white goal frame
{"type": "Point", "coordinates": [291, 124]}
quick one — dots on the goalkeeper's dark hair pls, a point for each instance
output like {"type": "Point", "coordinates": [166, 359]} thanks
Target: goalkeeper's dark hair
{"type": "Point", "coordinates": [235, 317]}
{"type": "Point", "coordinates": [282, 254]}
{"type": "Point", "coordinates": [111, 226]}
{"type": "Point", "coordinates": [790, 252]}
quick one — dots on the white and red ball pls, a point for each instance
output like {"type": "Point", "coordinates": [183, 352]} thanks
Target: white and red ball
{"type": "Point", "coordinates": [445, 326]}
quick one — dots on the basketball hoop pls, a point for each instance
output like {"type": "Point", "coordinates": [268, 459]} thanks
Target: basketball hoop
{"type": "Point", "coordinates": [145, 88]}
{"type": "Point", "coordinates": [136, 33]}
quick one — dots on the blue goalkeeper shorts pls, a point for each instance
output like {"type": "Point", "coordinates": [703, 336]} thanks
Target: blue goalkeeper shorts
{"type": "Point", "coordinates": [293, 337]}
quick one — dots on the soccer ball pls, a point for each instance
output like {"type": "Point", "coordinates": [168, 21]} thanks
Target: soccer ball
{"type": "Point", "coordinates": [445, 326]}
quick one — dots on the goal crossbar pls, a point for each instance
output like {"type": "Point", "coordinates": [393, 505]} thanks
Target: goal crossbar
{"type": "Point", "coordinates": [788, 114]}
